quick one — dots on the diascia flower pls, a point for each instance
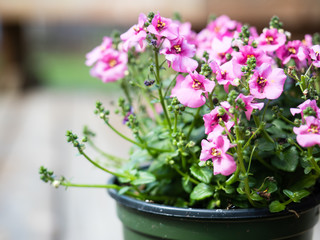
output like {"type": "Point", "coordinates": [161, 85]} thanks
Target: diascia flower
{"type": "Point", "coordinates": [190, 89]}
{"type": "Point", "coordinates": [111, 67]}
{"type": "Point", "coordinates": [219, 113]}
{"type": "Point", "coordinates": [293, 50]}
{"type": "Point", "coordinates": [160, 27]}
{"type": "Point", "coordinates": [308, 104]}
{"type": "Point", "coordinates": [99, 51]}
{"type": "Point", "coordinates": [267, 82]}
{"type": "Point", "coordinates": [216, 149]}
{"type": "Point", "coordinates": [315, 55]}
{"type": "Point", "coordinates": [179, 55]}
{"type": "Point", "coordinates": [249, 105]}
{"type": "Point", "coordinates": [136, 35]}
{"type": "Point", "coordinates": [271, 39]}
{"type": "Point", "coordinates": [225, 74]}
{"type": "Point", "coordinates": [308, 135]}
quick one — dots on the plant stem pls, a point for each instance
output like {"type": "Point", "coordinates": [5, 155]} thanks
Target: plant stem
{"type": "Point", "coordinates": [143, 146]}
{"type": "Point", "coordinates": [185, 175]}
{"type": "Point", "coordinates": [157, 76]}
{"type": "Point", "coordinates": [107, 155]}
{"type": "Point", "coordinates": [312, 161]}
{"type": "Point", "coordinates": [102, 168]}
{"type": "Point", "coordinates": [241, 162]}
{"type": "Point", "coordinates": [193, 123]}
{"type": "Point", "coordinates": [110, 186]}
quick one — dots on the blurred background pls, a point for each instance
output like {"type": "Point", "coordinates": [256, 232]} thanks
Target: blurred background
{"type": "Point", "coordinates": [45, 89]}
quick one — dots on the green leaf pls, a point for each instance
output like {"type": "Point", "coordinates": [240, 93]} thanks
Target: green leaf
{"type": "Point", "coordinates": [296, 196]}
{"type": "Point", "coordinates": [140, 156]}
{"type": "Point", "coordinates": [276, 206]}
{"type": "Point", "coordinates": [123, 190]}
{"type": "Point", "coordinates": [304, 183]}
{"type": "Point", "coordinates": [201, 191]}
{"type": "Point", "coordinates": [287, 160]}
{"type": "Point", "coordinates": [265, 146]}
{"type": "Point", "coordinates": [186, 184]}
{"type": "Point", "coordinates": [144, 178]}
{"type": "Point", "coordinates": [203, 174]}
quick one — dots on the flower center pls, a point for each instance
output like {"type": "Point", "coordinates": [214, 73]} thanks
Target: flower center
{"type": "Point", "coordinates": [137, 29]}
{"type": "Point", "coordinates": [160, 25]}
{"type": "Point", "coordinates": [269, 39]}
{"type": "Point", "coordinates": [261, 83]}
{"type": "Point", "coordinates": [250, 56]}
{"type": "Point", "coordinates": [112, 63]}
{"type": "Point", "coordinates": [215, 152]}
{"type": "Point", "coordinates": [313, 129]}
{"type": "Point", "coordinates": [196, 84]}
{"type": "Point", "coordinates": [292, 50]}
{"type": "Point", "coordinates": [177, 48]}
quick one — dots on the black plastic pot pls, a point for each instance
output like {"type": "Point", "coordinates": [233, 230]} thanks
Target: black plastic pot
{"type": "Point", "coordinates": [143, 220]}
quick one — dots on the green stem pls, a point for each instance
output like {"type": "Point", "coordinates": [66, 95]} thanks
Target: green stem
{"type": "Point", "coordinates": [102, 168]}
{"type": "Point", "coordinates": [110, 186]}
{"type": "Point", "coordinates": [265, 109]}
{"type": "Point", "coordinates": [107, 155]}
{"type": "Point", "coordinates": [134, 142]}
{"type": "Point", "coordinates": [157, 76]}
{"type": "Point", "coordinates": [287, 120]}
{"type": "Point", "coordinates": [241, 162]}
{"type": "Point", "coordinates": [186, 175]}
{"type": "Point", "coordinates": [312, 161]}
{"type": "Point", "coordinates": [252, 136]}
{"type": "Point", "coordinates": [234, 177]}
{"type": "Point", "coordinates": [193, 123]}
{"type": "Point", "coordinates": [124, 86]}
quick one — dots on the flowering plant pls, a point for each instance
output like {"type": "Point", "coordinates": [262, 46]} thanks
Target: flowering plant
{"type": "Point", "coordinates": [223, 118]}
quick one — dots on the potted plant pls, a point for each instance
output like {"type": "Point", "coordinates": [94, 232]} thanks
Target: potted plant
{"type": "Point", "coordinates": [225, 130]}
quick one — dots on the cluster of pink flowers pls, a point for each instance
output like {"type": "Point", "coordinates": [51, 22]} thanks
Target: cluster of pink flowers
{"type": "Point", "coordinates": [228, 55]}
{"type": "Point", "coordinates": [109, 63]}
{"type": "Point", "coordinates": [308, 134]}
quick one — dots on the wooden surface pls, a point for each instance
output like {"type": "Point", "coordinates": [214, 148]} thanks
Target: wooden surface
{"type": "Point", "coordinates": [32, 128]}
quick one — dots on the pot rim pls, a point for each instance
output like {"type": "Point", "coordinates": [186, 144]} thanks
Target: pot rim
{"type": "Point", "coordinates": [159, 209]}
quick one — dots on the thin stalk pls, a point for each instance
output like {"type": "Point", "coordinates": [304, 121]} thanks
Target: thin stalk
{"type": "Point", "coordinates": [143, 146]}
{"type": "Point", "coordinates": [287, 120]}
{"type": "Point", "coordinates": [241, 162]}
{"type": "Point", "coordinates": [107, 155]}
{"type": "Point", "coordinates": [102, 168]}
{"type": "Point", "coordinates": [312, 161]}
{"type": "Point", "coordinates": [193, 123]}
{"type": "Point", "coordinates": [252, 136]}
{"type": "Point", "coordinates": [186, 175]}
{"type": "Point", "coordinates": [163, 104]}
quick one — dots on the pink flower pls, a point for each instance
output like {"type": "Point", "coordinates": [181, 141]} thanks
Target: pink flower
{"type": "Point", "coordinates": [190, 89]}
{"type": "Point", "coordinates": [219, 49]}
{"type": "Point", "coordinates": [223, 26]}
{"type": "Point", "coordinates": [225, 74]}
{"type": "Point", "coordinates": [315, 55]}
{"type": "Point", "coordinates": [293, 50]}
{"type": "Point", "coordinates": [246, 52]}
{"type": "Point", "coordinates": [271, 39]}
{"type": "Point", "coordinates": [267, 82]}
{"type": "Point", "coordinates": [161, 27]}
{"type": "Point", "coordinates": [219, 113]}
{"type": "Point", "coordinates": [249, 104]}
{"type": "Point", "coordinates": [308, 103]}
{"type": "Point", "coordinates": [135, 35]}
{"type": "Point", "coordinates": [99, 51]}
{"type": "Point", "coordinates": [308, 135]}
{"type": "Point", "coordinates": [179, 54]}
{"type": "Point", "coordinates": [216, 149]}
{"type": "Point", "coordinates": [111, 67]}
